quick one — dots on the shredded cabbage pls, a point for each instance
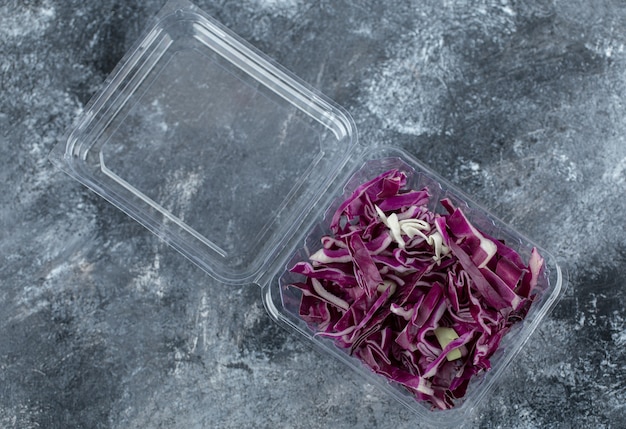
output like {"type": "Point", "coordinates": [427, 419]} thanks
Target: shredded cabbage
{"type": "Point", "coordinates": [422, 298]}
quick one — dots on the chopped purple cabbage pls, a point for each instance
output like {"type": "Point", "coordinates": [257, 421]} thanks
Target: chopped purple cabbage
{"type": "Point", "coordinates": [393, 272]}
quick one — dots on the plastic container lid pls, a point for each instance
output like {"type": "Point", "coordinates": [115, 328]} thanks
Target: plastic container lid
{"type": "Point", "coordinates": [209, 144]}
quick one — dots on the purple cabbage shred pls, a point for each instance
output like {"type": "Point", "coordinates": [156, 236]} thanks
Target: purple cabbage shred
{"type": "Point", "coordinates": [393, 272]}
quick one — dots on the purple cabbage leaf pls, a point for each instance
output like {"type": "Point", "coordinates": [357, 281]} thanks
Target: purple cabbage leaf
{"type": "Point", "coordinates": [422, 298]}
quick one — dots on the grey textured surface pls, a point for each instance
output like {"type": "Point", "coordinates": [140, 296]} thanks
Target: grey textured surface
{"type": "Point", "coordinates": [520, 103]}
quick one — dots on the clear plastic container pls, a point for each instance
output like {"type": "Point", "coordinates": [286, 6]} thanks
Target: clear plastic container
{"type": "Point", "coordinates": [235, 162]}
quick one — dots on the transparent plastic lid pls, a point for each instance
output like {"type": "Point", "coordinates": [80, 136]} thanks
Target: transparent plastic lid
{"type": "Point", "coordinates": [209, 144]}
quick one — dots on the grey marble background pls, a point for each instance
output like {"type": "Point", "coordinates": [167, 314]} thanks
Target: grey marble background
{"type": "Point", "coordinates": [520, 103]}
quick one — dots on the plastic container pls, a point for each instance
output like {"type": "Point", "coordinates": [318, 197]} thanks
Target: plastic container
{"type": "Point", "coordinates": [234, 162]}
